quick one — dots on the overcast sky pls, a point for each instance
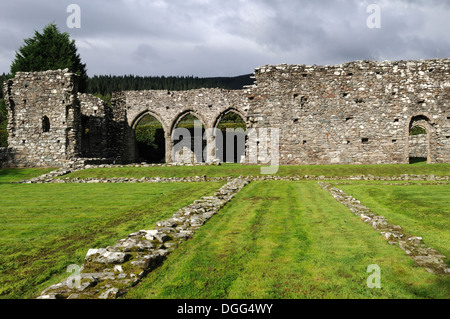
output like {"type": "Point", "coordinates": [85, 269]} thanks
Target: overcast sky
{"type": "Point", "coordinates": [230, 37]}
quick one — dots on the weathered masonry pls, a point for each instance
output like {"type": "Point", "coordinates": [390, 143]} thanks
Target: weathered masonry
{"type": "Point", "coordinates": [355, 113]}
{"type": "Point", "coordinates": [169, 108]}
{"type": "Point", "coordinates": [43, 119]}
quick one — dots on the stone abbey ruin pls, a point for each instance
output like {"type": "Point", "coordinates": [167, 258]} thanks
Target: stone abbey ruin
{"type": "Point", "coordinates": [355, 113]}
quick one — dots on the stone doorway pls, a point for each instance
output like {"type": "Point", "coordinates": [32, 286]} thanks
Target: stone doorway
{"type": "Point", "coordinates": [419, 140]}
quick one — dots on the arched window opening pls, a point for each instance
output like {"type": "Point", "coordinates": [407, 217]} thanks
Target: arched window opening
{"type": "Point", "coordinates": [231, 148]}
{"type": "Point", "coordinates": [45, 124]}
{"type": "Point", "coordinates": [150, 141]}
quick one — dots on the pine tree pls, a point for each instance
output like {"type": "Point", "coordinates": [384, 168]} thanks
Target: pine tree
{"type": "Point", "coordinates": [50, 50]}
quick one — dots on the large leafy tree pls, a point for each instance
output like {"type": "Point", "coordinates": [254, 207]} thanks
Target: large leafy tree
{"type": "Point", "coordinates": [50, 50]}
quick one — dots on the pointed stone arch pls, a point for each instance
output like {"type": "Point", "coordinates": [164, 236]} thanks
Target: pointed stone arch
{"type": "Point", "coordinates": [138, 118]}
{"type": "Point", "coordinates": [226, 112]}
{"type": "Point", "coordinates": [197, 144]}
{"type": "Point", "coordinates": [229, 147]}
{"type": "Point", "coordinates": [142, 152]}
{"type": "Point", "coordinates": [182, 115]}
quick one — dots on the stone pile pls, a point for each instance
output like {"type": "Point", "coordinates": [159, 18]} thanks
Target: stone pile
{"type": "Point", "coordinates": [109, 272]}
{"type": "Point", "coordinates": [414, 247]}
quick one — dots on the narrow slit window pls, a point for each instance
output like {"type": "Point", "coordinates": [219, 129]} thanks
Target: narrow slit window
{"type": "Point", "coordinates": [45, 124]}
{"type": "Point", "coordinates": [365, 141]}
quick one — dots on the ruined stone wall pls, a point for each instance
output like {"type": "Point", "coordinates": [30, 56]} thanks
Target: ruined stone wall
{"type": "Point", "coordinates": [95, 114]}
{"type": "Point", "coordinates": [418, 146]}
{"type": "Point", "coordinates": [354, 113]}
{"type": "Point", "coordinates": [169, 108]}
{"type": "Point", "coordinates": [52, 125]}
{"type": "Point", "coordinates": [121, 138]}
{"type": "Point", "coordinates": [44, 118]}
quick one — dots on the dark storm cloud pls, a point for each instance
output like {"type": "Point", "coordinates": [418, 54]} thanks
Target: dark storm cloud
{"type": "Point", "coordinates": [225, 38]}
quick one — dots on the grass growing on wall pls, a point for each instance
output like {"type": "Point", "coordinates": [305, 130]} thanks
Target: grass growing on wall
{"type": "Point", "coordinates": [288, 240]}
{"type": "Point", "coordinates": [47, 227]}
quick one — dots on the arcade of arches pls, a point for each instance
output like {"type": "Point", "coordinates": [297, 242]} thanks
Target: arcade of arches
{"type": "Point", "coordinates": [151, 143]}
{"type": "Point", "coordinates": [157, 122]}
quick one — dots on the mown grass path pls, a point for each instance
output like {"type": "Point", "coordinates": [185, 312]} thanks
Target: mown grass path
{"type": "Point", "coordinates": [287, 240]}
{"type": "Point", "coordinates": [419, 209]}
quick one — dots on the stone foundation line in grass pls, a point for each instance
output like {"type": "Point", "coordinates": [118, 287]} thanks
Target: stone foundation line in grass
{"type": "Point", "coordinates": [424, 256]}
{"type": "Point", "coordinates": [52, 178]}
{"type": "Point", "coordinates": [202, 172]}
{"type": "Point", "coordinates": [75, 167]}
{"type": "Point", "coordinates": [109, 272]}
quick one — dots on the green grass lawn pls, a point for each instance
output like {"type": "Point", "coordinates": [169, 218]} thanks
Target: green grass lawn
{"type": "Point", "coordinates": [18, 174]}
{"type": "Point", "coordinates": [276, 239]}
{"type": "Point", "coordinates": [46, 227]}
{"type": "Point", "coordinates": [422, 210]}
{"type": "Point", "coordinates": [287, 240]}
{"type": "Point", "coordinates": [237, 170]}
